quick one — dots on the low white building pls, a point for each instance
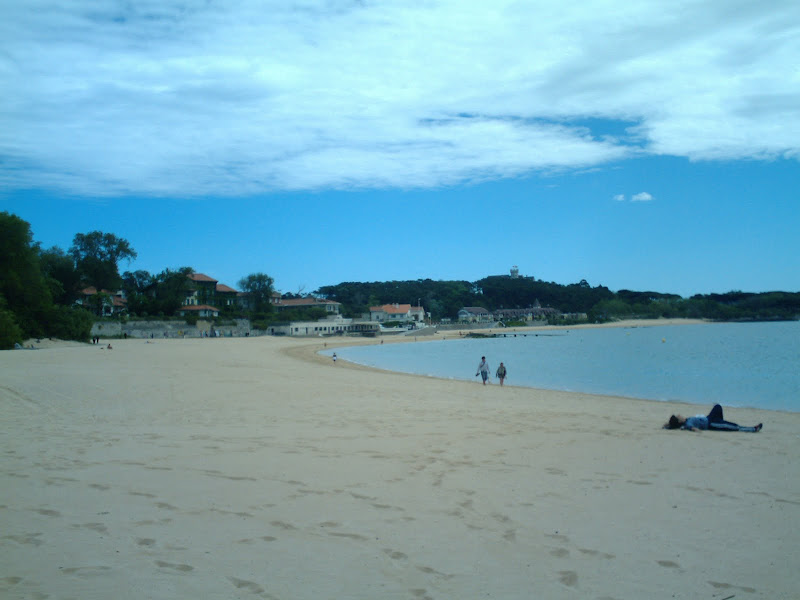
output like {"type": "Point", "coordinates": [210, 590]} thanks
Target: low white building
{"type": "Point", "coordinates": [335, 325]}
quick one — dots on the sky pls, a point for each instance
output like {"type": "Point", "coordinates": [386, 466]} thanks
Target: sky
{"type": "Point", "coordinates": [636, 145]}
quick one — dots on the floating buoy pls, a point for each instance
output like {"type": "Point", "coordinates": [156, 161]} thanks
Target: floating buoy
{"type": "Point", "coordinates": [663, 340]}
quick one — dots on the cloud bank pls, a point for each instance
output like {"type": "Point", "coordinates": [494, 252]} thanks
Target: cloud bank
{"type": "Point", "coordinates": [189, 98]}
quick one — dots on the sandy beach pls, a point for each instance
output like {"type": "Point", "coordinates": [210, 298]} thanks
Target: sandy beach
{"type": "Point", "coordinates": [255, 468]}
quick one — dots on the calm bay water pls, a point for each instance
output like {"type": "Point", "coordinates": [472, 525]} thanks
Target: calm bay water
{"type": "Point", "coordinates": [734, 364]}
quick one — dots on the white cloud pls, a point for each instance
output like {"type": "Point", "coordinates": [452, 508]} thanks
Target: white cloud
{"type": "Point", "coordinates": [641, 197]}
{"type": "Point", "coordinates": [620, 197]}
{"type": "Point", "coordinates": [176, 98]}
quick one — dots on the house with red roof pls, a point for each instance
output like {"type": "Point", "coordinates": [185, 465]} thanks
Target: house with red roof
{"type": "Point", "coordinates": [210, 294]}
{"type": "Point", "coordinates": [113, 302]}
{"type": "Point", "coordinates": [396, 312]}
{"type": "Point", "coordinates": [331, 307]}
{"type": "Point", "coordinates": [198, 310]}
{"type": "Point", "coordinates": [208, 297]}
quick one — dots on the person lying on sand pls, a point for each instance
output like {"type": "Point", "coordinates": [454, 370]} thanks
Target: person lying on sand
{"type": "Point", "coordinates": [713, 421]}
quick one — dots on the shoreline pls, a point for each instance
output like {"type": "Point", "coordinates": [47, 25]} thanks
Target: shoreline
{"type": "Point", "coordinates": [44, 343]}
{"type": "Point", "coordinates": [464, 334]}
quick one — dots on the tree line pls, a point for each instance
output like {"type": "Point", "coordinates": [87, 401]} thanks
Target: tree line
{"type": "Point", "coordinates": [443, 299]}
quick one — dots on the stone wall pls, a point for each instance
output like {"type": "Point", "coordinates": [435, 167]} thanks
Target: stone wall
{"type": "Point", "coordinates": [172, 329]}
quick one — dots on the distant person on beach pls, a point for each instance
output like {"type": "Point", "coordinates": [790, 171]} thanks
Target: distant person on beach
{"type": "Point", "coordinates": [501, 373]}
{"type": "Point", "coordinates": [483, 370]}
{"type": "Point", "coordinates": [713, 421]}
{"type": "Point", "coordinates": [334, 357]}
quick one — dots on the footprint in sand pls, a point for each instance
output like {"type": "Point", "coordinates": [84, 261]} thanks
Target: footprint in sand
{"type": "Point", "coordinates": [145, 494]}
{"type": "Point", "coordinates": [569, 578]}
{"type": "Point", "coordinates": [596, 553]}
{"type": "Point", "coordinates": [668, 564]}
{"type": "Point", "coordinates": [726, 586]}
{"type": "Point", "coordinates": [174, 567]}
{"type": "Point", "coordinates": [86, 571]}
{"type": "Point", "coordinates": [98, 527]}
{"type": "Point", "coordinates": [243, 584]}
{"type": "Point", "coordinates": [32, 539]}
{"type": "Point", "coordinates": [352, 536]}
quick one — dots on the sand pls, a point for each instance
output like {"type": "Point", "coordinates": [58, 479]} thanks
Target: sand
{"type": "Point", "coordinates": [254, 468]}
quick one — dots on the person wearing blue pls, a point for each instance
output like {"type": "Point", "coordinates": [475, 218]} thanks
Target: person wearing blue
{"type": "Point", "coordinates": [713, 421]}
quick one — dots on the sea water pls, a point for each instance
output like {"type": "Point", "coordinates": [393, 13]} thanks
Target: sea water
{"type": "Point", "coordinates": [733, 364]}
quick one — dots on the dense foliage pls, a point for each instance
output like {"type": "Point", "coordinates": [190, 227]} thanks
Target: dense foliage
{"type": "Point", "coordinates": [27, 290]}
{"type": "Point", "coordinates": [260, 288]}
{"type": "Point", "coordinates": [156, 295]}
{"type": "Point", "coordinates": [443, 299]}
{"type": "Point", "coordinates": [97, 256]}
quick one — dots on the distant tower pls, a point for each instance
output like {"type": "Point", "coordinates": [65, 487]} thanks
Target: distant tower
{"type": "Point", "coordinates": [514, 272]}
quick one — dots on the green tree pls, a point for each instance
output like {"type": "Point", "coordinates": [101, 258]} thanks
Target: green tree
{"type": "Point", "coordinates": [259, 286]}
{"type": "Point", "coordinates": [10, 332]}
{"type": "Point", "coordinates": [22, 284]}
{"type": "Point", "coordinates": [610, 309]}
{"type": "Point", "coordinates": [62, 276]}
{"type": "Point", "coordinates": [170, 290]}
{"type": "Point", "coordinates": [97, 256]}
{"type": "Point", "coordinates": [26, 305]}
{"type": "Point", "coordinates": [70, 323]}
{"type": "Point", "coordinates": [98, 302]}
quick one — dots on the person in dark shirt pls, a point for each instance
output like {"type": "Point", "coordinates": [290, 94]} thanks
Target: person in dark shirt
{"type": "Point", "coordinates": [501, 373]}
{"type": "Point", "coordinates": [713, 421]}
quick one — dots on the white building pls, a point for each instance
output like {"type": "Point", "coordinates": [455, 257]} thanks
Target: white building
{"type": "Point", "coordinates": [474, 314]}
{"type": "Point", "coordinates": [334, 325]}
{"type": "Point", "coordinates": [404, 313]}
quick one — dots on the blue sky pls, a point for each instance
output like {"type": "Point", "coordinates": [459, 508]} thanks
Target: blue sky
{"type": "Point", "coordinates": [647, 145]}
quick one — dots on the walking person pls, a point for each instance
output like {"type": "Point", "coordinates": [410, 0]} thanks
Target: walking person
{"type": "Point", "coordinates": [501, 373]}
{"type": "Point", "coordinates": [483, 370]}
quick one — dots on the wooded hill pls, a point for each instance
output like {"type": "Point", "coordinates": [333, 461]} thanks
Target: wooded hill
{"type": "Point", "coordinates": [443, 299]}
